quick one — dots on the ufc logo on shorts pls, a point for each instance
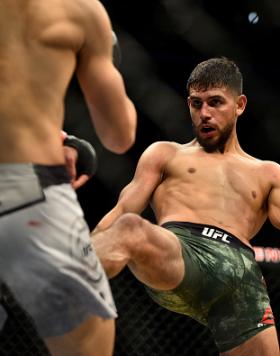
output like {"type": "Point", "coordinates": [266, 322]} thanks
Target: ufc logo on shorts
{"type": "Point", "coordinates": [215, 234]}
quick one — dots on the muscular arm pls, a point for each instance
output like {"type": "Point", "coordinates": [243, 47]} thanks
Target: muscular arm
{"type": "Point", "coordinates": [274, 196]}
{"type": "Point", "coordinates": [112, 112]}
{"type": "Point", "coordinates": [136, 195]}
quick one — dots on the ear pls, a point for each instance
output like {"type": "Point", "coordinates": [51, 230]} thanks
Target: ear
{"type": "Point", "coordinates": [241, 104]}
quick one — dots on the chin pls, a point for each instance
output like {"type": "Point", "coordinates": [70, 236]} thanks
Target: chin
{"type": "Point", "coordinates": [209, 145]}
{"type": "Point", "coordinates": [210, 148]}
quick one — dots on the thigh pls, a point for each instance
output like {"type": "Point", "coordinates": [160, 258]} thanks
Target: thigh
{"type": "Point", "coordinates": [245, 313]}
{"type": "Point", "coordinates": [263, 344]}
{"type": "Point", "coordinates": [156, 259]}
{"type": "Point", "coordinates": [94, 337]}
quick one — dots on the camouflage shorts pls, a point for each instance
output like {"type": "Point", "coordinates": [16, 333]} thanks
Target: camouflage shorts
{"type": "Point", "coordinates": [223, 287]}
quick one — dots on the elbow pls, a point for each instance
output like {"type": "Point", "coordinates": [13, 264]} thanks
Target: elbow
{"type": "Point", "coordinates": [123, 145]}
{"type": "Point", "coordinates": [118, 143]}
{"type": "Point", "coordinates": [274, 218]}
{"type": "Point", "coordinates": [121, 142]}
{"type": "Point", "coordinates": [117, 129]}
{"type": "Point", "coordinates": [129, 136]}
{"type": "Point", "coordinates": [120, 146]}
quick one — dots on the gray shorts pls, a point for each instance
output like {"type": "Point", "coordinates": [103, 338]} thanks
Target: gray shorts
{"type": "Point", "coordinates": [46, 258]}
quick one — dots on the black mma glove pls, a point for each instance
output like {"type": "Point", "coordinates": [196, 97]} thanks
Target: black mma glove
{"type": "Point", "coordinates": [87, 158]}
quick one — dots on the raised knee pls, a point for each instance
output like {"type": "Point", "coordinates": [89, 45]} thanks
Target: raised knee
{"type": "Point", "coordinates": [130, 221]}
{"type": "Point", "coordinates": [134, 229]}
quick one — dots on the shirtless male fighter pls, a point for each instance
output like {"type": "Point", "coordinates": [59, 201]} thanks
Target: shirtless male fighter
{"type": "Point", "coordinates": [210, 198]}
{"type": "Point", "coordinates": [46, 259]}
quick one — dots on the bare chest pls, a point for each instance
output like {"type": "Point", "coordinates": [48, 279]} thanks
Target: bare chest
{"type": "Point", "coordinates": [218, 179]}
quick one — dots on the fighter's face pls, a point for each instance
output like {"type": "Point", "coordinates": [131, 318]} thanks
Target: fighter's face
{"type": "Point", "coordinates": [214, 113]}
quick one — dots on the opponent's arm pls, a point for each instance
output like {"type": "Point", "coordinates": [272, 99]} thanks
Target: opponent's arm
{"type": "Point", "coordinates": [274, 196]}
{"type": "Point", "coordinates": [112, 112]}
{"type": "Point", "coordinates": [135, 197]}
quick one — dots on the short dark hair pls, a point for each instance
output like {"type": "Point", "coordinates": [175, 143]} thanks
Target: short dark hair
{"type": "Point", "coordinates": [216, 73]}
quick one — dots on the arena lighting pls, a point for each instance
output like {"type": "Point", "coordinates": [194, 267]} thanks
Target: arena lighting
{"type": "Point", "coordinates": [253, 17]}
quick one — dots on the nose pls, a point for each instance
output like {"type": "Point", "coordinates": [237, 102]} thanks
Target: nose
{"type": "Point", "coordinates": [205, 112]}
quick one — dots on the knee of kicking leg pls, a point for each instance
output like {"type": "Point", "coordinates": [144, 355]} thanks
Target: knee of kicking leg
{"type": "Point", "coordinates": [130, 221]}
{"type": "Point", "coordinates": [134, 229]}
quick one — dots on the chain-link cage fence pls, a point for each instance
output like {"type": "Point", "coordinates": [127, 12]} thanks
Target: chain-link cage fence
{"type": "Point", "coordinates": [146, 329]}
{"type": "Point", "coordinates": [143, 327]}
{"type": "Point", "coordinates": [18, 336]}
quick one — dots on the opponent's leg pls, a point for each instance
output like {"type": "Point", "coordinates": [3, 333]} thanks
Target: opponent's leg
{"type": "Point", "coordinates": [152, 253]}
{"type": "Point", "coordinates": [264, 343]}
{"type": "Point", "coordinates": [94, 337]}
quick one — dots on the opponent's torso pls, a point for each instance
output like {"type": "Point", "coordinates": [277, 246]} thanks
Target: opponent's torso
{"type": "Point", "coordinates": [38, 42]}
{"type": "Point", "coordinates": [228, 191]}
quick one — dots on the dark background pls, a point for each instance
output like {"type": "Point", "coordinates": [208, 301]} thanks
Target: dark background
{"type": "Point", "coordinates": [161, 41]}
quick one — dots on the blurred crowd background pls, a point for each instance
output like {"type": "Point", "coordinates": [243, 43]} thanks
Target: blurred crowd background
{"type": "Point", "coordinates": [161, 41]}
